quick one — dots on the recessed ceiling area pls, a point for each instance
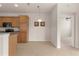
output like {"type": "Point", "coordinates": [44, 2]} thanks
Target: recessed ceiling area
{"type": "Point", "coordinates": [25, 7]}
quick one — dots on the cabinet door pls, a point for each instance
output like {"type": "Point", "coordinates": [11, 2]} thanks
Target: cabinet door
{"type": "Point", "coordinates": [19, 38]}
{"type": "Point", "coordinates": [12, 45]}
{"type": "Point", "coordinates": [23, 26]}
{"type": "Point", "coordinates": [13, 20]}
{"type": "Point", "coordinates": [1, 21]}
{"type": "Point", "coordinates": [24, 18]}
{"type": "Point", "coordinates": [22, 37]}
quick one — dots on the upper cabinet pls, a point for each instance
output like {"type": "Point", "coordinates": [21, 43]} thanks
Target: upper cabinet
{"type": "Point", "coordinates": [1, 21]}
{"type": "Point", "coordinates": [24, 19]}
{"type": "Point", "coordinates": [23, 25]}
{"type": "Point", "coordinates": [12, 19]}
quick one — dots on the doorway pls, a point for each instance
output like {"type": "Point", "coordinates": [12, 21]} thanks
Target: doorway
{"type": "Point", "coordinates": [67, 31]}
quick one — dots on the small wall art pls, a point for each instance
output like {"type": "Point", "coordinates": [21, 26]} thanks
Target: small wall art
{"type": "Point", "coordinates": [36, 23]}
{"type": "Point", "coordinates": [42, 23]}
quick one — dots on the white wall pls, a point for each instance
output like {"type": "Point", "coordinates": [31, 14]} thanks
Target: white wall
{"type": "Point", "coordinates": [35, 33]}
{"type": "Point", "coordinates": [38, 33]}
{"type": "Point", "coordinates": [54, 26]}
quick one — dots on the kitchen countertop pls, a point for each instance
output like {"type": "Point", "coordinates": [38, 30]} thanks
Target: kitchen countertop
{"type": "Point", "coordinates": [8, 32]}
{"type": "Point", "coordinates": [3, 29]}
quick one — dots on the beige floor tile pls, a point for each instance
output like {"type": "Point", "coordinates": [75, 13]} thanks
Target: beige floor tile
{"type": "Point", "coordinates": [43, 49]}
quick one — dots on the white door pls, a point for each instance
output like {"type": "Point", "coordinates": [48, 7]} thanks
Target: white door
{"type": "Point", "coordinates": [67, 30]}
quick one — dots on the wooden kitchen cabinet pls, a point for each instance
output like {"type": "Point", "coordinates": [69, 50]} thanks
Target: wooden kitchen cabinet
{"type": "Point", "coordinates": [22, 22]}
{"type": "Point", "coordinates": [23, 25]}
{"type": "Point", "coordinates": [12, 44]}
{"type": "Point", "coordinates": [23, 19]}
{"type": "Point", "coordinates": [22, 37]}
{"type": "Point", "coordinates": [12, 19]}
{"type": "Point", "coordinates": [1, 20]}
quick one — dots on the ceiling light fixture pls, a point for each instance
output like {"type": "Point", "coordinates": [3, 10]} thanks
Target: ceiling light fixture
{"type": "Point", "coordinates": [16, 5]}
{"type": "Point", "coordinates": [39, 19]}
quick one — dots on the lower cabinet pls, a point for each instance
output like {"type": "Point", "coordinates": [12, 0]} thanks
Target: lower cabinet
{"type": "Point", "coordinates": [12, 44]}
{"type": "Point", "coordinates": [22, 36]}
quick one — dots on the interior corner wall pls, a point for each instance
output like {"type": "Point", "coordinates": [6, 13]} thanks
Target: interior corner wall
{"type": "Point", "coordinates": [54, 26]}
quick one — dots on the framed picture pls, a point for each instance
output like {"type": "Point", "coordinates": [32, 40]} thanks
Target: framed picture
{"type": "Point", "coordinates": [36, 24]}
{"type": "Point", "coordinates": [42, 24]}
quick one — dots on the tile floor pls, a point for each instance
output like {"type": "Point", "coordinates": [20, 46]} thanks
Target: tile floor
{"type": "Point", "coordinates": [43, 49]}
